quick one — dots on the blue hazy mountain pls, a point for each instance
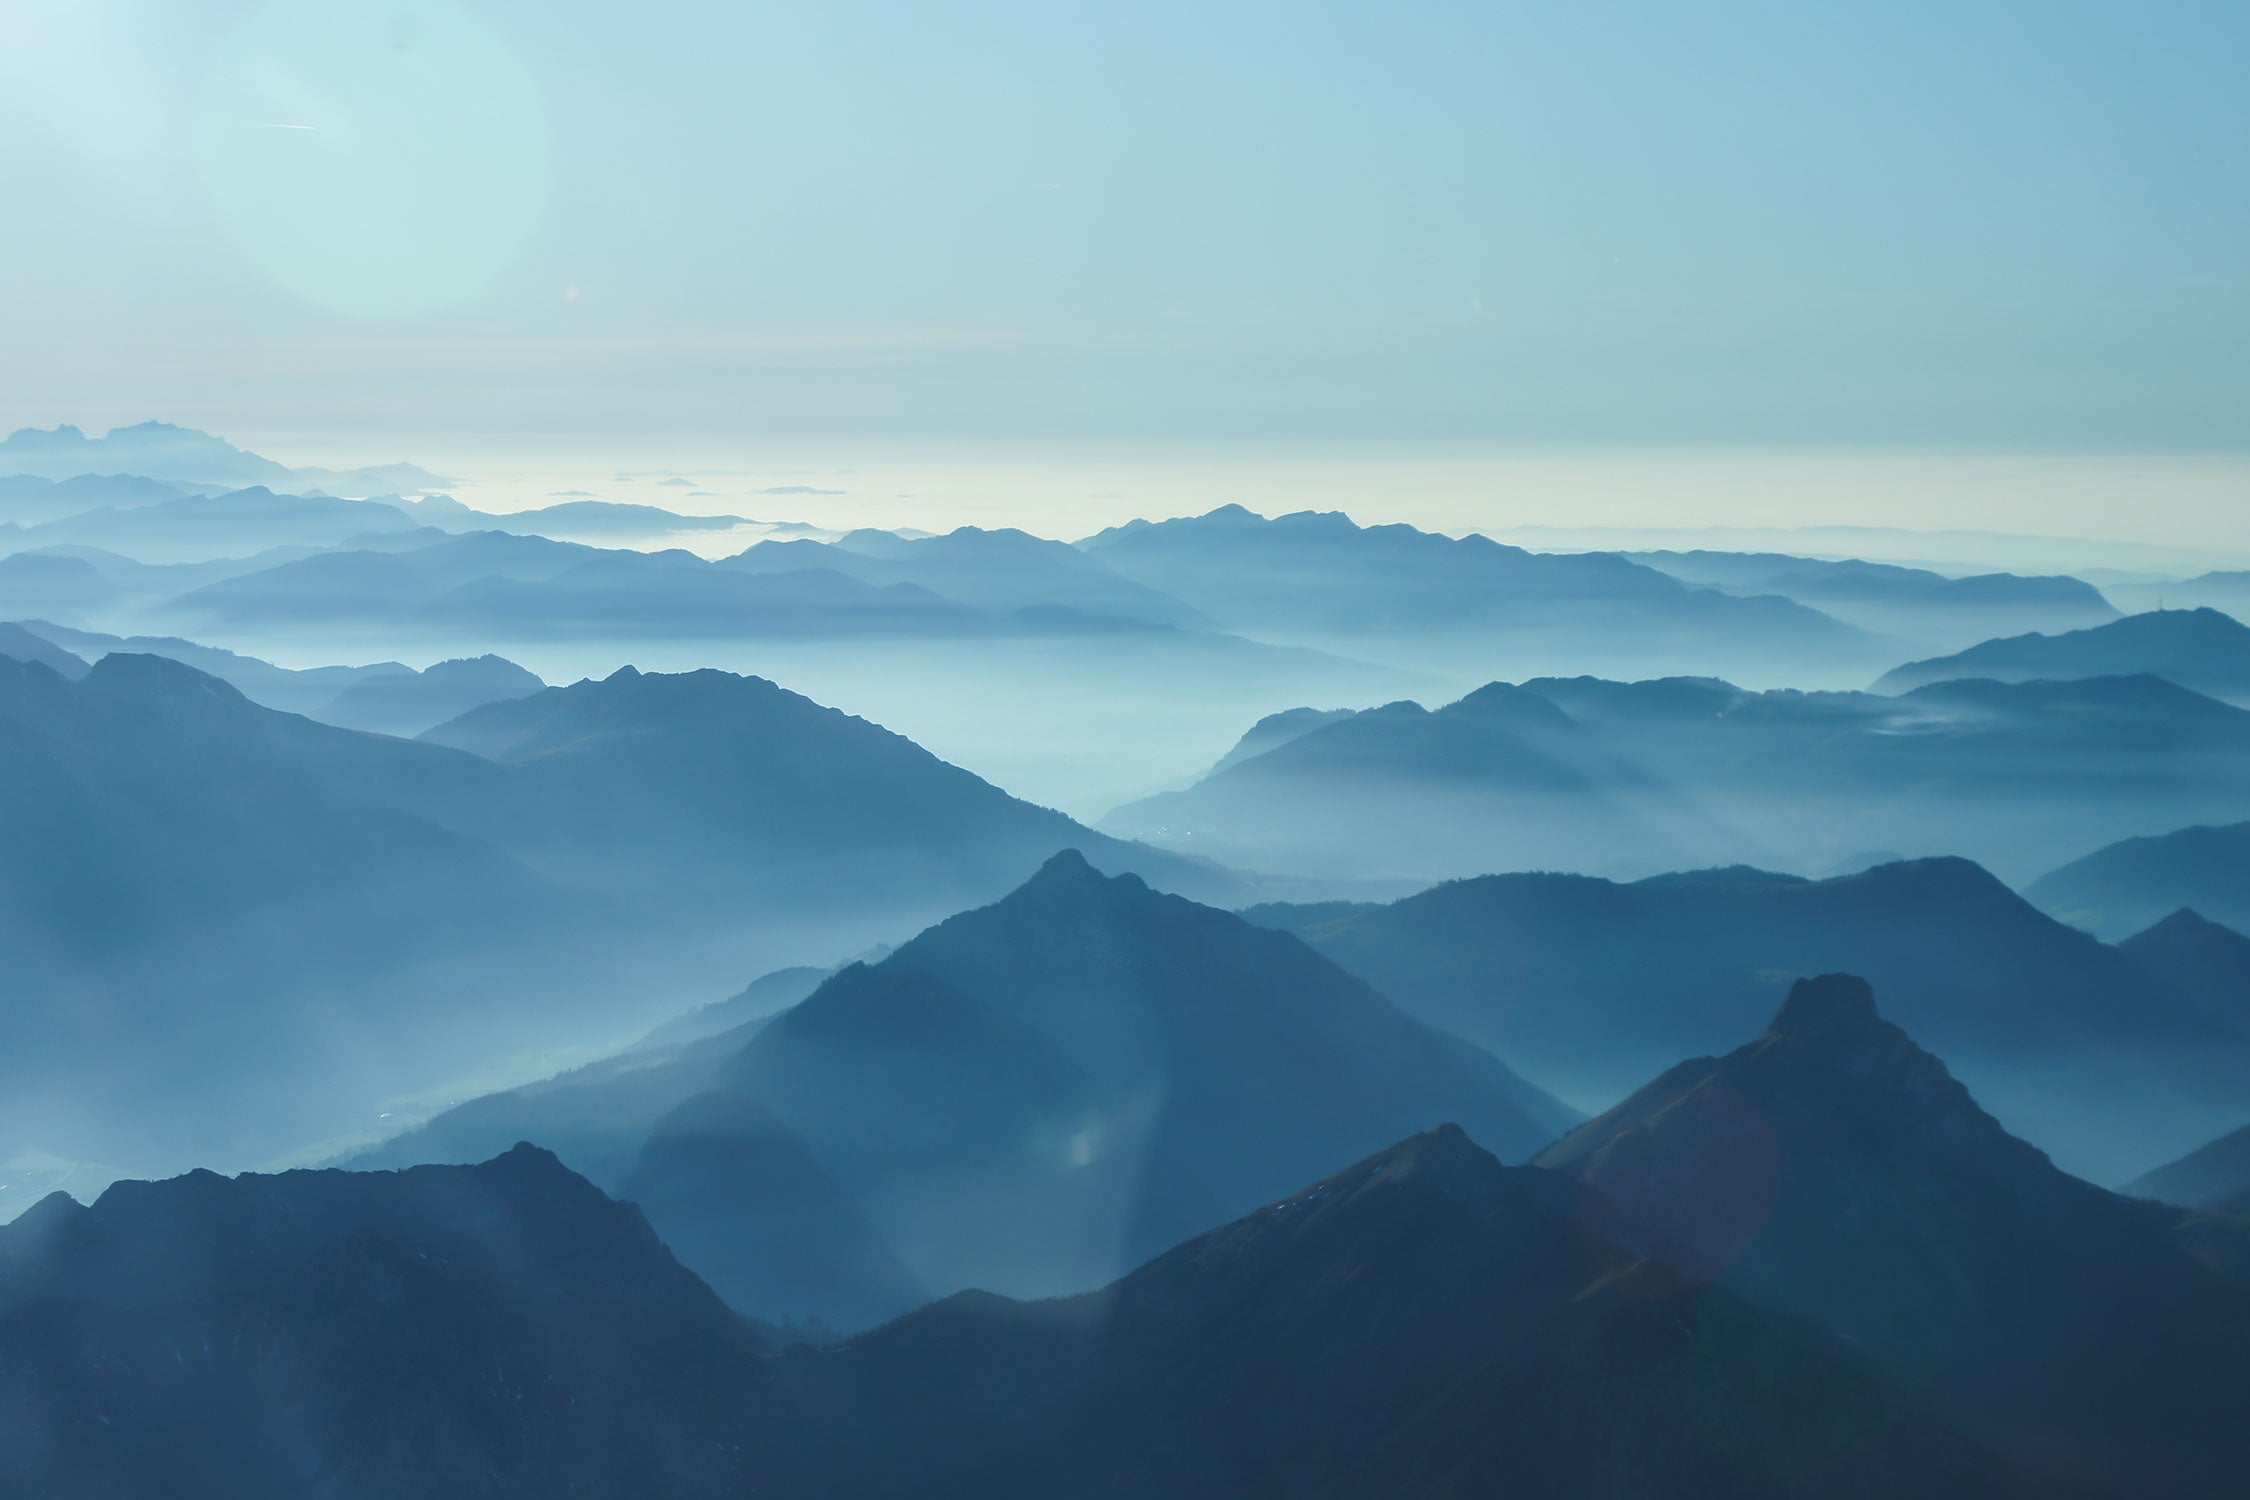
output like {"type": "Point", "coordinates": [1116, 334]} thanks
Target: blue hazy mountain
{"type": "Point", "coordinates": [1004, 570]}
{"type": "Point", "coordinates": [2214, 1178]}
{"type": "Point", "coordinates": [24, 645]}
{"type": "Point", "coordinates": [386, 697]}
{"type": "Point", "coordinates": [1626, 778]}
{"type": "Point", "coordinates": [201, 895]}
{"type": "Point", "coordinates": [1029, 1097]}
{"type": "Point", "coordinates": [1589, 986]}
{"type": "Point", "coordinates": [1394, 592]}
{"type": "Point", "coordinates": [2124, 887]}
{"type": "Point", "coordinates": [1913, 605]}
{"type": "Point", "coordinates": [28, 499]}
{"type": "Point", "coordinates": [206, 527]}
{"type": "Point", "coordinates": [1832, 1169]}
{"type": "Point", "coordinates": [153, 450]}
{"type": "Point", "coordinates": [2201, 649]}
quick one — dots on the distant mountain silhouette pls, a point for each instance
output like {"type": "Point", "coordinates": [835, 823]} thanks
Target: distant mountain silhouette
{"type": "Point", "coordinates": [2201, 649]}
{"type": "Point", "coordinates": [30, 499]}
{"type": "Point", "coordinates": [443, 691]}
{"type": "Point", "coordinates": [206, 527]}
{"type": "Point", "coordinates": [1426, 1322]}
{"type": "Point", "coordinates": [387, 697]}
{"type": "Point", "coordinates": [2126, 886]}
{"type": "Point", "coordinates": [23, 645]}
{"type": "Point", "coordinates": [157, 450]}
{"type": "Point", "coordinates": [1588, 985]}
{"type": "Point", "coordinates": [1417, 597]}
{"type": "Point", "coordinates": [1908, 604]}
{"type": "Point", "coordinates": [1004, 570]}
{"type": "Point", "coordinates": [1029, 1097]}
{"type": "Point", "coordinates": [1619, 778]}
{"type": "Point", "coordinates": [1833, 1169]}
{"type": "Point", "coordinates": [2200, 959]}
{"type": "Point", "coordinates": [2214, 1178]}
{"type": "Point", "coordinates": [501, 1327]}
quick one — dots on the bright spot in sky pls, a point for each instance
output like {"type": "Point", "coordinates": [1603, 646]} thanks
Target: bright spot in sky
{"type": "Point", "coordinates": [379, 159]}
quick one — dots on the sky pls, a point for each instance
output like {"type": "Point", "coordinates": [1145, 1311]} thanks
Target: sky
{"type": "Point", "coordinates": [1973, 226]}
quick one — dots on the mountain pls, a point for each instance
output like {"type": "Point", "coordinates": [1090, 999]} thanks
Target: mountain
{"type": "Point", "coordinates": [502, 1328]}
{"type": "Point", "coordinates": [30, 499]}
{"type": "Point", "coordinates": [1416, 597]}
{"type": "Point", "coordinates": [157, 450]}
{"type": "Point", "coordinates": [707, 790]}
{"type": "Point", "coordinates": [1627, 778]}
{"type": "Point", "coordinates": [2199, 958]}
{"type": "Point", "coordinates": [207, 527]}
{"type": "Point", "coordinates": [2126, 886]}
{"type": "Point", "coordinates": [1909, 604]}
{"type": "Point", "coordinates": [1589, 986]}
{"type": "Point", "coordinates": [1029, 1097]}
{"type": "Point", "coordinates": [1426, 1322]}
{"type": "Point", "coordinates": [385, 697]}
{"type": "Point", "coordinates": [1833, 1169]}
{"type": "Point", "coordinates": [23, 645]}
{"type": "Point", "coordinates": [198, 894]}
{"type": "Point", "coordinates": [2201, 649]}
{"type": "Point", "coordinates": [439, 693]}
{"type": "Point", "coordinates": [2214, 1178]}
{"type": "Point", "coordinates": [1005, 570]}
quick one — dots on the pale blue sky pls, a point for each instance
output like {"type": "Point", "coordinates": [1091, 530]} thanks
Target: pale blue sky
{"type": "Point", "coordinates": [2010, 224]}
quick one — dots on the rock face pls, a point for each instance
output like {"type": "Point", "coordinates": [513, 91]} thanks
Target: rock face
{"type": "Point", "coordinates": [1834, 1169]}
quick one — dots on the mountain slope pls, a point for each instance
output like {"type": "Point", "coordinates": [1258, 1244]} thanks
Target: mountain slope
{"type": "Point", "coordinates": [1423, 1323]}
{"type": "Point", "coordinates": [2201, 649]}
{"type": "Point", "coordinates": [2126, 886]}
{"type": "Point", "coordinates": [444, 1330]}
{"type": "Point", "coordinates": [1590, 986]}
{"type": "Point", "coordinates": [2214, 1178]}
{"type": "Point", "coordinates": [1832, 1168]}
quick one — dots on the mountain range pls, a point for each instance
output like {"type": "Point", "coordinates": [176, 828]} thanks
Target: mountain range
{"type": "Point", "coordinates": [1095, 1071]}
{"type": "Point", "coordinates": [1812, 1267]}
{"type": "Point", "coordinates": [2201, 649]}
{"type": "Point", "coordinates": [2125, 887]}
{"type": "Point", "coordinates": [1629, 778]}
{"type": "Point", "coordinates": [2101, 1057]}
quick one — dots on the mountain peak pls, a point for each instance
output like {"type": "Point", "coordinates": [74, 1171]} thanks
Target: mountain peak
{"type": "Point", "coordinates": [1829, 1004]}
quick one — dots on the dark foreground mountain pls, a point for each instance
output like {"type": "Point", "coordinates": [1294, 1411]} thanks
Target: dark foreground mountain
{"type": "Point", "coordinates": [1624, 778]}
{"type": "Point", "coordinates": [1833, 1169]}
{"type": "Point", "coordinates": [497, 1329]}
{"type": "Point", "coordinates": [1031, 1097]}
{"type": "Point", "coordinates": [2124, 887]}
{"type": "Point", "coordinates": [2201, 649]}
{"type": "Point", "coordinates": [1424, 1324]}
{"type": "Point", "coordinates": [1589, 986]}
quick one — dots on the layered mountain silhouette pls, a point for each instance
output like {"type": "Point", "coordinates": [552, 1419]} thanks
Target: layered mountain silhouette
{"type": "Point", "coordinates": [198, 894]}
{"type": "Point", "coordinates": [1422, 1324]}
{"type": "Point", "coordinates": [1029, 1097]}
{"type": "Point", "coordinates": [2124, 887]}
{"type": "Point", "coordinates": [2202, 649]}
{"type": "Point", "coordinates": [1909, 604]}
{"type": "Point", "coordinates": [1588, 985]}
{"type": "Point", "coordinates": [234, 524]}
{"type": "Point", "coordinates": [2214, 1178]}
{"type": "Point", "coordinates": [1626, 778]}
{"type": "Point", "coordinates": [2201, 959]}
{"type": "Point", "coordinates": [1832, 1169]}
{"type": "Point", "coordinates": [156, 450]}
{"type": "Point", "coordinates": [1318, 578]}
